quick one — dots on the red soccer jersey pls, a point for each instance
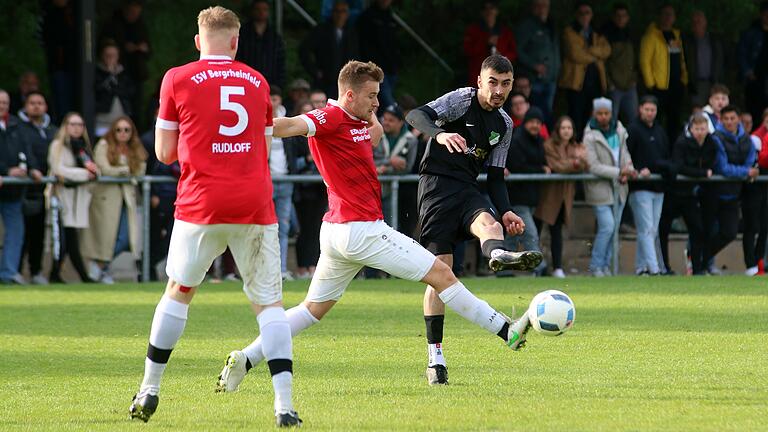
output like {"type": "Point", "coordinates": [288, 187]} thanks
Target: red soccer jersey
{"type": "Point", "coordinates": [222, 111]}
{"type": "Point", "coordinates": [341, 146]}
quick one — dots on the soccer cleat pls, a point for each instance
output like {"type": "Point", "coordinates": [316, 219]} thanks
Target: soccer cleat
{"type": "Point", "coordinates": [437, 375]}
{"type": "Point", "coordinates": [143, 406]}
{"type": "Point", "coordinates": [525, 261]}
{"type": "Point", "coordinates": [233, 373]}
{"type": "Point", "coordinates": [517, 330]}
{"type": "Point", "coordinates": [289, 419]}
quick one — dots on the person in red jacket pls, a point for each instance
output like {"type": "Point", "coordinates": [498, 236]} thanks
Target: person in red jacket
{"type": "Point", "coordinates": [761, 133]}
{"type": "Point", "coordinates": [486, 37]}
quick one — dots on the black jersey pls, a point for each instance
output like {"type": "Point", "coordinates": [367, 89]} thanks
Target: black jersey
{"type": "Point", "coordinates": [488, 135]}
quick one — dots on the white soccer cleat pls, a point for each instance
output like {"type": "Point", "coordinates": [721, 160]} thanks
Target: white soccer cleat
{"type": "Point", "coordinates": [517, 331]}
{"type": "Point", "coordinates": [233, 373]}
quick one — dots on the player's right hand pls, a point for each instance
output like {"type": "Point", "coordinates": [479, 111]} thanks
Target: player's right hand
{"type": "Point", "coordinates": [453, 141]}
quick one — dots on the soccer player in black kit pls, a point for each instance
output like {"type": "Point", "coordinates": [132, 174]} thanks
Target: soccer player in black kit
{"type": "Point", "coordinates": [468, 130]}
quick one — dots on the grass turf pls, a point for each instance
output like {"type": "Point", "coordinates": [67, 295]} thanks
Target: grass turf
{"type": "Point", "coordinates": [645, 354]}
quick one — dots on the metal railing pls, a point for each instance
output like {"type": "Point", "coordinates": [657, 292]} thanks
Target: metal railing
{"type": "Point", "coordinates": [145, 183]}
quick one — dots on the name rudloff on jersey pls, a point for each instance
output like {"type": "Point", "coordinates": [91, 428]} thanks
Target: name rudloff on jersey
{"type": "Point", "coordinates": [226, 147]}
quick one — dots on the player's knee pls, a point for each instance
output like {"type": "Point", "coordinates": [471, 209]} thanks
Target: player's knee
{"type": "Point", "coordinates": [440, 276]}
{"type": "Point", "coordinates": [179, 292]}
{"type": "Point", "coordinates": [319, 309]}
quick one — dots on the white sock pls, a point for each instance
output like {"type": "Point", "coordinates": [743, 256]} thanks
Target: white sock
{"type": "Point", "coordinates": [167, 327]}
{"type": "Point", "coordinates": [497, 252]}
{"type": "Point", "coordinates": [282, 383]}
{"type": "Point", "coordinates": [464, 303]}
{"type": "Point", "coordinates": [435, 353]}
{"type": "Point", "coordinates": [299, 319]}
{"type": "Point", "coordinates": [153, 372]}
{"type": "Point", "coordinates": [277, 346]}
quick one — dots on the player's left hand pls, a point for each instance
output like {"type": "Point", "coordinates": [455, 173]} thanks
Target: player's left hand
{"type": "Point", "coordinates": [513, 224]}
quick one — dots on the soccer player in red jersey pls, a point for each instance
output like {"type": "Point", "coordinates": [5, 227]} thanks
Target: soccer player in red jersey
{"type": "Point", "coordinates": [353, 234]}
{"type": "Point", "coordinates": [215, 118]}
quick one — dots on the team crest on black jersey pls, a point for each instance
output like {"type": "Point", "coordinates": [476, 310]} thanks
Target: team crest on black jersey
{"type": "Point", "coordinates": [494, 138]}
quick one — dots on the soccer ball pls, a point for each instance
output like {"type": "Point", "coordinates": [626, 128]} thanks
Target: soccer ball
{"type": "Point", "coordinates": [552, 312]}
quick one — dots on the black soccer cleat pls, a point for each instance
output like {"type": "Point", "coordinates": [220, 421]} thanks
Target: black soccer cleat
{"type": "Point", "coordinates": [289, 419]}
{"type": "Point", "coordinates": [437, 375]}
{"type": "Point", "coordinates": [524, 261]}
{"type": "Point", "coordinates": [143, 406]}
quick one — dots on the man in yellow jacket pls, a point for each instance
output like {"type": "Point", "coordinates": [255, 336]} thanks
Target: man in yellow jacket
{"type": "Point", "coordinates": [662, 64]}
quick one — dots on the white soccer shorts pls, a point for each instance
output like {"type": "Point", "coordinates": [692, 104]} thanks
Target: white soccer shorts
{"type": "Point", "coordinates": [345, 248]}
{"type": "Point", "coordinates": [256, 250]}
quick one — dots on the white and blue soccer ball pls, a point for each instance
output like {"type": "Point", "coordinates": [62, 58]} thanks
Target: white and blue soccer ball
{"type": "Point", "coordinates": [552, 312]}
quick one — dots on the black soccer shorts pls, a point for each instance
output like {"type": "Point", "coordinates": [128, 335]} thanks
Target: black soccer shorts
{"type": "Point", "coordinates": [447, 208]}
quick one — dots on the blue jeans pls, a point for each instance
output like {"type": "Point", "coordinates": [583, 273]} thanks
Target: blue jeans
{"type": "Point", "coordinates": [123, 241]}
{"type": "Point", "coordinates": [602, 247]}
{"type": "Point", "coordinates": [282, 195]}
{"type": "Point", "coordinates": [543, 97]}
{"type": "Point", "coordinates": [13, 241]}
{"type": "Point", "coordinates": [624, 104]}
{"type": "Point", "coordinates": [646, 210]}
{"type": "Point", "coordinates": [529, 239]}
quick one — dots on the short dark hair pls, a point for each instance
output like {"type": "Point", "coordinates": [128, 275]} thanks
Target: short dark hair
{"type": "Point", "coordinates": [275, 90]}
{"type": "Point", "coordinates": [649, 99]}
{"type": "Point", "coordinates": [356, 73]}
{"type": "Point", "coordinates": [719, 88]}
{"type": "Point", "coordinates": [664, 6]}
{"type": "Point", "coordinates": [497, 63]}
{"type": "Point", "coordinates": [36, 93]}
{"type": "Point", "coordinates": [730, 108]}
{"type": "Point", "coordinates": [515, 94]}
{"type": "Point", "coordinates": [581, 3]}
{"type": "Point", "coordinates": [620, 6]}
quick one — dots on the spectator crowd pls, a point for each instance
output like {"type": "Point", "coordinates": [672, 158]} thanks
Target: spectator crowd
{"type": "Point", "coordinates": [587, 98]}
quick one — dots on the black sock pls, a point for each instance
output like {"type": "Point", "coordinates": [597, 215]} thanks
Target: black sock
{"type": "Point", "coordinates": [490, 245]}
{"type": "Point", "coordinates": [434, 328]}
{"type": "Point", "coordinates": [503, 333]}
{"type": "Point", "coordinates": [248, 364]}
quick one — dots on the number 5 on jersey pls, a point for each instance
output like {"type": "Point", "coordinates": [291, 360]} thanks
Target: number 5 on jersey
{"type": "Point", "coordinates": [228, 105]}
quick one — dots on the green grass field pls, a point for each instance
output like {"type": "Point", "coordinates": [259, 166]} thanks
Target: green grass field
{"type": "Point", "coordinates": [645, 354]}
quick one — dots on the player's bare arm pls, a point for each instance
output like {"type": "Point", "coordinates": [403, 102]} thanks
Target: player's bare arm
{"type": "Point", "coordinates": [166, 145]}
{"type": "Point", "coordinates": [285, 127]}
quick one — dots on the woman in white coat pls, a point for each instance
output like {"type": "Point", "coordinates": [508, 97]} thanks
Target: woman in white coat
{"type": "Point", "coordinates": [70, 159]}
{"type": "Point", "coordinates": [115, 227]}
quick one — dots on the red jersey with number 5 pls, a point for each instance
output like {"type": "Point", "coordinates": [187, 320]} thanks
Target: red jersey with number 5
{"type": "Point", "coordinates": [222, 111]}
{"type": "Point", "coordinates": [341, 147]}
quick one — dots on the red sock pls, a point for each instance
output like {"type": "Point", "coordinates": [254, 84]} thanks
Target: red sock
{"type": "Point", "coordinates": [761, 266]}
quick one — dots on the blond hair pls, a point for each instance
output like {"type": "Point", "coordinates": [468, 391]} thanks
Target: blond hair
{"type": "Point", "coordinates": [217, 18]}
{"type": "Point", "coordinates": [356, 73]}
